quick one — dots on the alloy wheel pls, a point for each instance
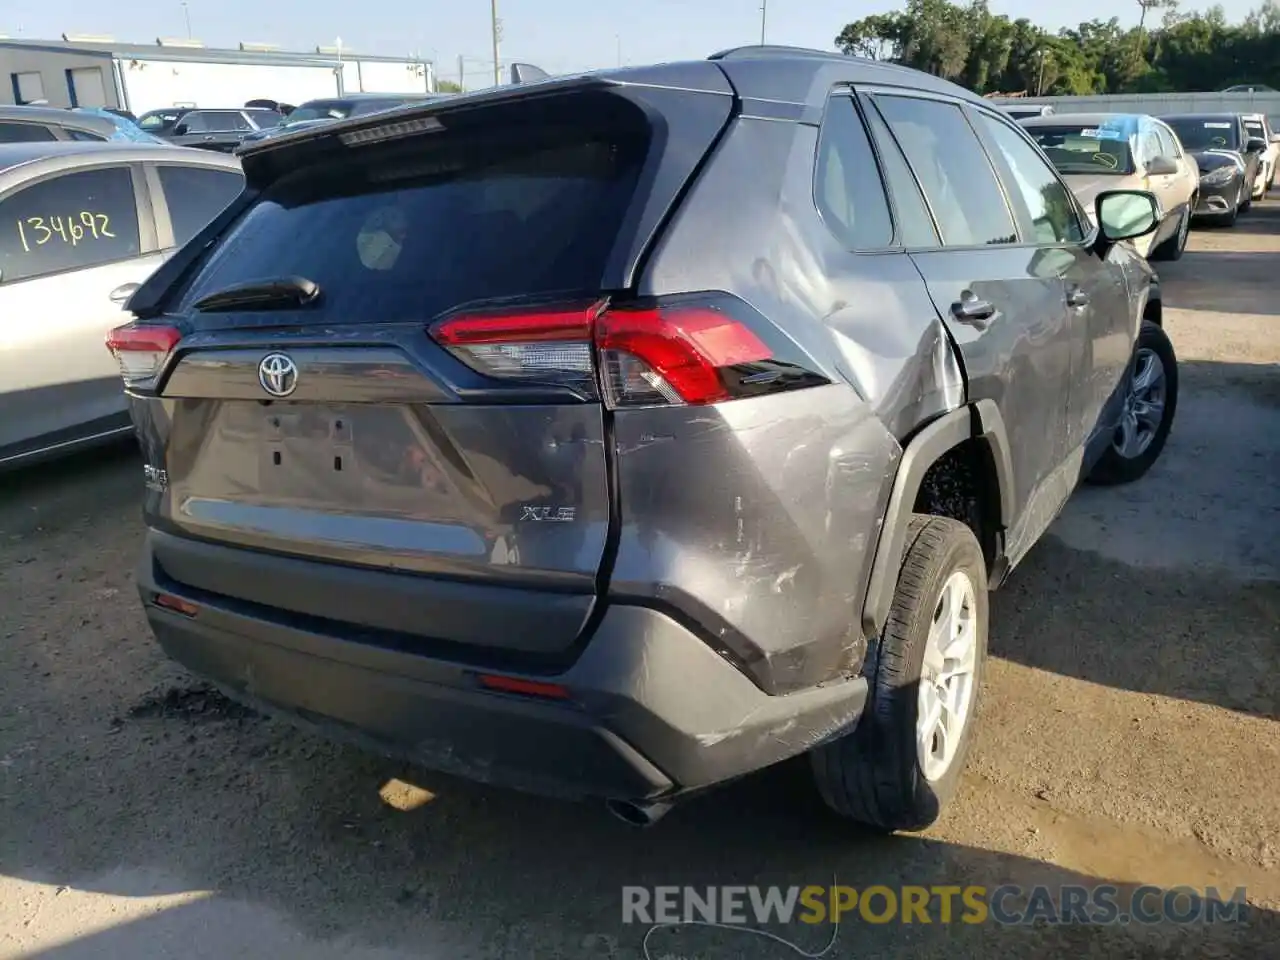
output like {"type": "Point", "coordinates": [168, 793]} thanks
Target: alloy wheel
{"type": "Point", "coordinates": [1143, 406]}
{"type": "Point", "coordinates": [946, 689]}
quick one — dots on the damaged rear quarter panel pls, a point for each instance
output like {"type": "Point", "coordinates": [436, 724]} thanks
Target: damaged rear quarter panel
{"type": "Point", "coordinates": [756, 519]}
{"type": "Point", "coordinates": [759, 518]}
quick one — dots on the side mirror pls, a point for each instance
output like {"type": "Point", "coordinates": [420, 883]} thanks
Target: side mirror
{"type": "Point", "coordinates": [180, 130]}
{"type": "Point", "coordinates": [1126, 214]}
{"type": "Point", "coordinates": [1161, 167]}
{"type": "Point", "coordinates": [1255, 145]}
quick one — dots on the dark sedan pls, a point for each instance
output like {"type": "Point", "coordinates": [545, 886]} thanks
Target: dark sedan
{"type": "Point", "coordinates": [1228, 159]}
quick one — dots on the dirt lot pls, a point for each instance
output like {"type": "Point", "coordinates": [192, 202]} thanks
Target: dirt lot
{"type": "Point", "coordinates": [1130, 735]}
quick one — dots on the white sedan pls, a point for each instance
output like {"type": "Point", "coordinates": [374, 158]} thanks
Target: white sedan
{"type": "Point", "coordinates": [81, 226]}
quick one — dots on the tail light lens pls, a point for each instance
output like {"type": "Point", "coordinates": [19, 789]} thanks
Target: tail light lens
{"type": "Point", "coordinates": [141, 349]}
{"type": "Point", "coordinates": [696, 350]}
{"type": "Point", "coordinates": [549, 344]}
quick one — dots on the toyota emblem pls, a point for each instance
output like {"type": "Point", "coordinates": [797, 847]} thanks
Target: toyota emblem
{"type": "Point", "coordinates": [278, 374]}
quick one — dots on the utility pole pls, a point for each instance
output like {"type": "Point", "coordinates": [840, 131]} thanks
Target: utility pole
{"type": "Point", "coordinates": [1040, 81]}
{"type": "Point", "coordinates": [186, 15]}
{"type": "Point", "coordinates": [497, 30]}
{"type": "Point", "coordinates": [764, 11]}
{"type": "Point", "coordinates": [462, 75]}
{"type": "Point", "coordinates": [339, 70]}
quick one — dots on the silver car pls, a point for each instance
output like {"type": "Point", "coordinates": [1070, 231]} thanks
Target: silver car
{"type": "Point", "coordinates": [81, 226]}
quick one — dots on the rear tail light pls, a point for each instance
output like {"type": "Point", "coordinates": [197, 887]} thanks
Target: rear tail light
{"type": "Point", "coordinates": [696, 350]}
{"type": "Point", "coordinates": [548, 344]}
{"type": "Point", "coordinates": [141, 349]}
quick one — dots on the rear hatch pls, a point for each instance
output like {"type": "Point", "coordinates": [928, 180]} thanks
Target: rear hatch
{"type": "Point", "coordinates": [337, 387]}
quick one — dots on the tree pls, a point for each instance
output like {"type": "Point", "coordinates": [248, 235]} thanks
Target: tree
{"type": "Point", "coordinates": [448, 86]}
{"type": "Point", "coordinates": [988, 52]}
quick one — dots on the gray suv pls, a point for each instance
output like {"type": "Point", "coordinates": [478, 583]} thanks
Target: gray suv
{"type": "Point", "coordinates": [615, 436]}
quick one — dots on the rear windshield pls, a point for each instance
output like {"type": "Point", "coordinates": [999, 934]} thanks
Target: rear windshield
{"type": "Point", "coordinates": [409, 236]}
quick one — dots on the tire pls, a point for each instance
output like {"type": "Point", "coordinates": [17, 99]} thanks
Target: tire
{"type": "Point", "coordinates": [876, 775]}
{"type": "Point", "coordinates": [1175, 246]}
{"type": "Point", "coordinates": [1115, 466]}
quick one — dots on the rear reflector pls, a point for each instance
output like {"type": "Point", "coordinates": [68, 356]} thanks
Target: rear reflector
{"type": "Point", "coordinates": [653, 355]}
{"type": "Point", "coordinates": [141, 349]}
{"type": "Point", "coordinates": [527, 688]}
{"type": "Point", "coordinates": [176, 604]}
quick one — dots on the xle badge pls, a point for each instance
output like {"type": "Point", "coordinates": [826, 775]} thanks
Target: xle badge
{"type": "Point", "coordinates": [548, 514]}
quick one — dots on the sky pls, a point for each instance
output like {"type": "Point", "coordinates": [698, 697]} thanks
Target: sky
{"type": "Point", "coordinates": [557, 35]}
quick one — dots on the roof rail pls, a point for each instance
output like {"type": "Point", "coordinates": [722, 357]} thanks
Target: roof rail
{"type": "Point", "coordinates": [773, 50]}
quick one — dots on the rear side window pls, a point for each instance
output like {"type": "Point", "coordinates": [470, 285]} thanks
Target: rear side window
{"type": "Point", "coordinates": [849, 191]}
{"type": "Point", "coordinates": [84, 135]}
{"type": "Point", "coordinates": [25, 133]}
{"type": "Point", "coordinates": [69, 222]}
{"type": "Point", "coordinates": [952, 168]}
{"type": "Point", "coordinates": [915, 225]}
{"type": "Point", "coordinates": [521, 212]}
{"type": "Point", "coordinates": [196, 195]}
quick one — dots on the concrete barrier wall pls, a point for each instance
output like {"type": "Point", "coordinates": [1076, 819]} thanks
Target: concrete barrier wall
{"type": "Point", "coordinates": [1158, 103]}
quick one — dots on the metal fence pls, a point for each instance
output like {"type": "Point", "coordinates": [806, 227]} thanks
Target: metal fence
{"type": "Point", "coordinates": [1160, 103]}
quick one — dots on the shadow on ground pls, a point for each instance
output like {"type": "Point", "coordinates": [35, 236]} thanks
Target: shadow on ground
{"type": "Point", "coordinates": [480, 874]}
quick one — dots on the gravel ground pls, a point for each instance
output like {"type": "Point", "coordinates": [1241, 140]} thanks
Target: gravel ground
{"type": "Point", "coordinates": [1129, 736]}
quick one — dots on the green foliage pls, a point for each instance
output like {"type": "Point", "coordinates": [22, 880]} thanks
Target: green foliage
{"type": "Point", "coordinates": [990, 53]}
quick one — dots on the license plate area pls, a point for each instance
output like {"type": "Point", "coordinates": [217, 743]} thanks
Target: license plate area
{"type": "Point", "coordinates": [307, 452]}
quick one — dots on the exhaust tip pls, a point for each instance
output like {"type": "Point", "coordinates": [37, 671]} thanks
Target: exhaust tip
{"type": "Point", "coordinates": [637, 814]}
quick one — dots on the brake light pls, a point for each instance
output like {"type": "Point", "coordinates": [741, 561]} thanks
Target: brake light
{"type": "Point", "coordinates": [698, 350]}
{"type": "Point", "coordinates": [141, 349]}
{"type": "Point", "coordinates": [674, 355]}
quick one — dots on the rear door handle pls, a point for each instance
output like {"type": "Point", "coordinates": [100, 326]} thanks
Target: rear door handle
{"type": "Point", "coordinates": [969, 309]}
{"type": "Point", "coordinates": [1077, 298]}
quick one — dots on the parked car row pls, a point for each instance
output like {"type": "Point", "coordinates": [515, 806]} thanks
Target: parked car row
{"type": "Point", "coordinates": [221, 130]}
{"type": "Point", "coordinates": [1202, 167]}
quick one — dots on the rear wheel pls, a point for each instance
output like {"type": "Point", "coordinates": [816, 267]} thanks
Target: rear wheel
{"type": "Point", "coordinates": [903, 761]}
{"type": "Point", "coordinates": [1149, 406]}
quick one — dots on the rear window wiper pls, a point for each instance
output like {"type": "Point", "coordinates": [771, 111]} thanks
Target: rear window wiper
{"type": "Point", "coordinates": [262, 295]}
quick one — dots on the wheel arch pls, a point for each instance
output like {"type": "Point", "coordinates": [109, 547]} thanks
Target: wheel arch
{"type": "Point", "coordinates": [976, 427]}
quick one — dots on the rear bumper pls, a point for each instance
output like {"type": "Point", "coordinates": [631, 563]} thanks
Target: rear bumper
{"type": "Point", "coordinates": [654, 711]}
